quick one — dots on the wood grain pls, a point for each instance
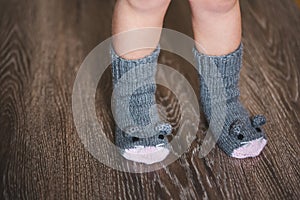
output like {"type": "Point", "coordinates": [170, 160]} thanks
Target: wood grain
{"type": "Point", "coordinates": [43, 43]}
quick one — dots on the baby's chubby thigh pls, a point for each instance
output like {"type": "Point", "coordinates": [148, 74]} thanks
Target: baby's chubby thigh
{"type": "Point", "coordinates": [217, 6]}
{"type": "Point", "coordinates": [147, 5]}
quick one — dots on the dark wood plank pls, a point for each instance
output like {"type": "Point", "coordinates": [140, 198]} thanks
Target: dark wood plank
{"type": "Point", "coordinates": [42, 44]}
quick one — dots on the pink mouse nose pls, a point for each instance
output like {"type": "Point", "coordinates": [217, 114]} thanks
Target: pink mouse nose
{"type": "Point", "coordinates": [147, 155]}
{"type": "Point", "coordinates": [250, 149]}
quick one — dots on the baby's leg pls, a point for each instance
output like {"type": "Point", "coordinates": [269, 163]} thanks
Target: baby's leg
{"type": "Point", "coordinates": [141, 135]}
{"type": "Point", "coordinates": [217, 25]}
{"type": "Point", "coordinates": [135, 14]}
{"type": "Point", "coordinates": [217, 29]}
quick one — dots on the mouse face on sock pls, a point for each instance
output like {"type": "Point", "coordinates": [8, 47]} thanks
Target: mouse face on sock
{"type": "Point", "coordinates": [157, 136]}
{"type": "Point", "coordinates": [247, 131]}
{"type": "Point", "coordinates": [242, 133]}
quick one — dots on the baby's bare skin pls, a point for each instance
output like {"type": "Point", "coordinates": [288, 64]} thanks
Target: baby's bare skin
{"type": "Point", "coordinates": [216, 24]}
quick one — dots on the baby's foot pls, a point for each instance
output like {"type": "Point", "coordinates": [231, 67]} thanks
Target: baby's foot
{"type": "Point", "coordinates": [140, 134]}
{"type": "Point", "coordinates": [241, 135]}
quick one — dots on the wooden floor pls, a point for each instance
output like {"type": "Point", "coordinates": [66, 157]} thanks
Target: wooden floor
{"type": "Point", "coordinates": [43, 43]}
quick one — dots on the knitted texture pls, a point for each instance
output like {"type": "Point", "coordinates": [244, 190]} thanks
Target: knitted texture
{"type": "Point", "coordinates": [238, 128]}
{"type": "Point", "coordinates": [134, 107]}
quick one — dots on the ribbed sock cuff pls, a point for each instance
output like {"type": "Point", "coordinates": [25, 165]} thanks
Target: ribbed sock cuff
{"type": "Point", "coordinates": [121, 66]}
{"type": "Point", "coordinates": [214, 66]}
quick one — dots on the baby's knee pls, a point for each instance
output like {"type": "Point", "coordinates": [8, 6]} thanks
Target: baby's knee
{"type": "Point", "coordinates": [214, 5]}
{"type": "Point", "coordinates": [148, 5]}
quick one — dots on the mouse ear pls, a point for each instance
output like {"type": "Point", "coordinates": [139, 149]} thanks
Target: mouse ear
{"type": "Point", "coordinates": [258, 120]}
{"type": "Point", "coordinates": [131, 130]}
{"type": "Point", "coordinates": [163, 128]}
{"type": "Point", "coordinates": [235, 127]}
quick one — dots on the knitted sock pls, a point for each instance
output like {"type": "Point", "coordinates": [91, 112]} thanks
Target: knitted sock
{"type": "Point", "coordinates": [140, 134]}
{"type": "Point", "coordinates": [241, 136]}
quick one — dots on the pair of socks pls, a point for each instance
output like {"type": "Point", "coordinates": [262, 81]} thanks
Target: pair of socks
{"type": "Point", "coordinates": [141, 135]}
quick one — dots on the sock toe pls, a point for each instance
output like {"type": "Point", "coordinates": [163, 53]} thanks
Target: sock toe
{"type": "Point", "coordinates": [147, 155]}
{"type": "Point", "coordinates": [250, 149]}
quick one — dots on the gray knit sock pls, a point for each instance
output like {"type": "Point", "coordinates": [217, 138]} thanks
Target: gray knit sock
{"type": "Point", "coordinates": [139, 128]}
{"type": "Point", "coordinates": [241, 136]}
